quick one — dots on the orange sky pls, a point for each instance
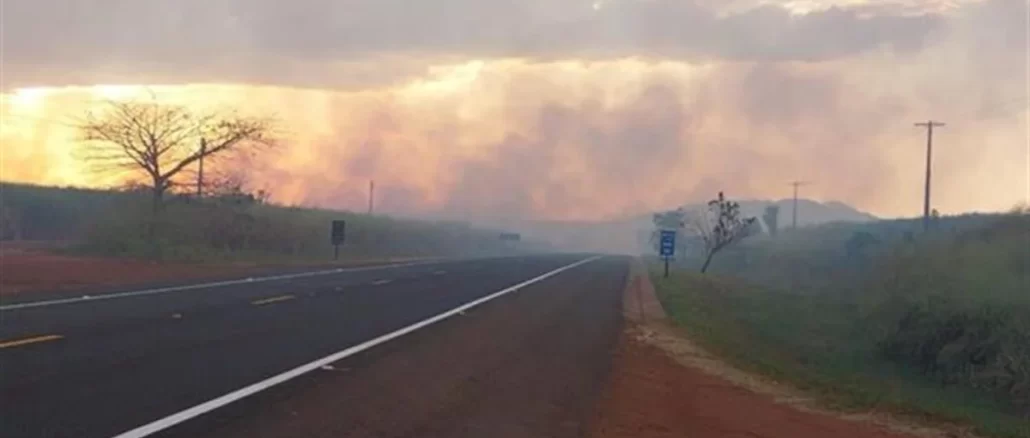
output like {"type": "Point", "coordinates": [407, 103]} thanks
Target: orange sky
{"type": "Point", "coordinates": [497, 136]}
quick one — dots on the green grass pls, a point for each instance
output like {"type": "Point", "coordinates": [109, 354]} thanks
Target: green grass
{"type": "Point", "coordinates": [798, 310]}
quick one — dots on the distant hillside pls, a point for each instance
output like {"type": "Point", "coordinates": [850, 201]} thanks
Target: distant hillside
{"type": "Point", "coordinates": [809, 212]}
{"type": "Point", "coordinates": [631, 235]}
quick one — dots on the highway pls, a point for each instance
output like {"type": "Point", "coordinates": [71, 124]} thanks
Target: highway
{"type": "Point", "coordinates": [503, 346]}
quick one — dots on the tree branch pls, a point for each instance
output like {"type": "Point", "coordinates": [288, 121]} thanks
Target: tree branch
{"type": "Point", "coordinates": [163, 140]}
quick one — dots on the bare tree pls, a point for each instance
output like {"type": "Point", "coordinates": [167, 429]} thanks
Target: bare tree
{"type": "Point", "coordinates": [724, 229]}
{"type": "Point", "coordinates": [159, 141]}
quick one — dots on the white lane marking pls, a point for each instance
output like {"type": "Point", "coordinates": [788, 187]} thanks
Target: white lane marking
{"type": "Point", "coordinates": [439, 272]}
{"type": "Point", "coordinates": [382, 282]}
{"type": "Point", "coordinates": [248, 280]}
{"type": "Point", "coordinates": [210, 405]}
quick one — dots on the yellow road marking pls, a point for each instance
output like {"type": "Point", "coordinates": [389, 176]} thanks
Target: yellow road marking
{"type": "Point", "coordinates": [27, 341]}
{"type": "Point", "coordinates": [272, 300]}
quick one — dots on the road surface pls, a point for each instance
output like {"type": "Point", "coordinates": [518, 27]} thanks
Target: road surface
{"type": "Point", "coordinates": [489, 347]}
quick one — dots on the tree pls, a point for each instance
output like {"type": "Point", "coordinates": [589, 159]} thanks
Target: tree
{"type": "Point", "coordinates": [771, 218]}
{"type": "Point", "coordinates": [856, 246]}
{"type": "Point", "coordinates": [159, 141]}
{"type": "Point", "coordinates": [728, 227]}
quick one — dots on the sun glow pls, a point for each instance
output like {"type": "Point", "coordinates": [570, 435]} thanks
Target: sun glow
{"type": "Point", "coordinates": [29, 99]}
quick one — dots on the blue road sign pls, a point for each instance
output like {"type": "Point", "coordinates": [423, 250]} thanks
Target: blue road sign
{"type": "Point", "coordinates": [668, 243]}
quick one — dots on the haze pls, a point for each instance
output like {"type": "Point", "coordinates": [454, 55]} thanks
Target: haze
{"type": "Point", "coordinates": [573, 110]}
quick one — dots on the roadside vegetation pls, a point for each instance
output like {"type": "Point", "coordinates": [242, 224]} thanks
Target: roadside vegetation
{"type": "Point", "coordinates": [231, 226]}
{"type": "Point", "coordinates": [877, 316]}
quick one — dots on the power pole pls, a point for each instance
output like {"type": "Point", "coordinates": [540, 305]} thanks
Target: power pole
{"type": "Point", "coordinates": [200, 170]}
{"type": "Point", "coordinates": [796, 184]}
{"type": "Point", "coordinates": [929, 124]}
{"type": "Point", "coordinates": [371, 195]}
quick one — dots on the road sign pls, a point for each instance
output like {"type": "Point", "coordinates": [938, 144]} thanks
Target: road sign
{"type": "Point", "coordinates": [514, 237]}
{"type": "Point", "coordinates": [338, 235]}
{"type": "Point", "coordinates": [667, 245]}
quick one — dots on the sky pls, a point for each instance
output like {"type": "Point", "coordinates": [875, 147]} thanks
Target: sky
{"type": "Point", "coordinates": [549, 109]}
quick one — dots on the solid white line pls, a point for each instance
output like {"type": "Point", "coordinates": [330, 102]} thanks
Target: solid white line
{"type": "Point", "coordinates": [210, 405]}
{"type": "Point", "coordinates": [381, 282]}
{"type": "Point", "coordinates": [162, 290]}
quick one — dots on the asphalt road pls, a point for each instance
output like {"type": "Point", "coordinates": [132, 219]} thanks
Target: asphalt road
{"type": "Point", "coordinates": [109, 365]}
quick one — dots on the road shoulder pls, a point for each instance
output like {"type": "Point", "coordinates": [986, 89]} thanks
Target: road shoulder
{"type": "Point", "coordinates": [664, 385]}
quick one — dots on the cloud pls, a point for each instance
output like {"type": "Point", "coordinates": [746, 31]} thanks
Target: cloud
{"type": "Point", "coordinates": [361, 43]}
{"type": "Point", "coordinates": [599, 138]}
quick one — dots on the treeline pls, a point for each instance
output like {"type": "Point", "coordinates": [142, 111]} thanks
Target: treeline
{"type": "Point", "coordinates": [233, 225]}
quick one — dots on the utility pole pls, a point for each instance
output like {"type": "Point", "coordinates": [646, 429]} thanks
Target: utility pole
{"type": "Point", "coordinates": [371, 196]}
{"type": "Point", "coordinates": [929, 125]}
{"type": "Point", "coordinates": [200, 170]}
{"type": "Point", "coordinates": [796, 184]}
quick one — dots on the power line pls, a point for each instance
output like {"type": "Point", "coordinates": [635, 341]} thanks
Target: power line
{"type": "Point", "coordinates": [929, 125]}
{"type": "Point", "coordinates": [371, 196]}
{"type": "Point", "coordinates": [796, 184]}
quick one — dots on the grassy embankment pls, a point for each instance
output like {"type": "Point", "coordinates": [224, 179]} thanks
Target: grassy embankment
{"type": "Point", "coordinates": [224, 229]}
{"type": "Point", "coordinates": [936, 327]}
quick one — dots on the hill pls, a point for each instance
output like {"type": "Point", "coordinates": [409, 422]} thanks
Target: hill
{"type": "Point", "coordinates": [809, 212]}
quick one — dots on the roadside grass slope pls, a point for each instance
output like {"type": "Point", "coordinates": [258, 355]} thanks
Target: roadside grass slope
{"type": "Point", "coordinates": [231, 227]}
{"type": "Point", "coordinates": [933, 326]}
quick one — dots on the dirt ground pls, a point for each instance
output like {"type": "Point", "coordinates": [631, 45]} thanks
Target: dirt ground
{"type": "Point", "coordinates": [28, 272]}
{"type": "Point", "coordinates": [31, 269]}
{"type": "Point", "coordinates": [662, 385]}
{"type": "Point", "coordinates": [652, 395]}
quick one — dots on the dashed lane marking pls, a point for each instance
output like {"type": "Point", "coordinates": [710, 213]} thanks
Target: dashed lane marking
{"type": "Point", "coordinates": [265, 301]}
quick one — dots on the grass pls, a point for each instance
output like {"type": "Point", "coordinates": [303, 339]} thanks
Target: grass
{"type": "Point", "coordinates": [797, 309]}
{"type": "Point", "coordinates": [234, 228]}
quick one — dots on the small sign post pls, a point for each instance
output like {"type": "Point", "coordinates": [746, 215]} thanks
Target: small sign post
{"type": "Point", "coordinates": [338, 236]}
{"type": "Point", "coordinates": [667, 247]}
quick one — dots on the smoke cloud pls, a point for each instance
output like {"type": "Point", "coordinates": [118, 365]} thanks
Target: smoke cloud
{"type": "Point", "coordinates": [320, 43]}
{"type": "Point", "coordinates": [596, 137]}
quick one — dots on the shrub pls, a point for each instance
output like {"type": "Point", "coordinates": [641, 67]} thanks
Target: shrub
{"type": "Point", "coordinates": [953, 304]}
{"type": "Point", "coordinates": [958, 308]}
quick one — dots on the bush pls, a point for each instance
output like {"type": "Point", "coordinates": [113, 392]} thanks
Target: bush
{"type": "Point", "coordinates": [953, 304]}
{"type": "Point", "coordinates": [958, 308]}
